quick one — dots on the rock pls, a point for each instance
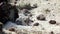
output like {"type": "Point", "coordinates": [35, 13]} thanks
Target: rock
{"type": "Point", "coordinates": [52, 22]}
{"type": "Point", "coordinates": [36, 24]}
{"type": "Point", "coordinates": [41, 17]}
{"type": "Point", "coordinates": [12, 29]}
{"type": "Point", "coordinates": [52, 32]}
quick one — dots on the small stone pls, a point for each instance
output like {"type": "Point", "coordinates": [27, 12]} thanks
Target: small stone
{"type": "Point", "coordinates": [41, 17]}
{"type": "Point", "coordinates": [52, 32]}
{"type": "Point", "coordinates": [52, 22]}
{"type": "Point", "coordinates": [15, 2]}
{"type": "Point", "coordinates": [57, 23]}
{"type": "Point", "coordinates": [36, 24]}
{"type": "Point", "coordinates": [30, 15]}
{"type": "Point", "coordinates": [47, 11]}
{"type": "Point", "coordinates": [12, 29]}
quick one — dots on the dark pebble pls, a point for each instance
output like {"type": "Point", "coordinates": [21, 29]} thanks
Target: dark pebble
{"type": "Point", "coordinates": [36, 24]}
{"type": "Point", "coordinates": [12, 29]}
{"type": "Point", "coordinates": [52, 22]}
{"type": "Point", "coordinates": [52, 32]}
{"type": "Point", "coordinates": [15, 2]}
{"type": "Point", "coordinates": [30, 15]}
{"type": "Point", "coordinates": [41, 17]}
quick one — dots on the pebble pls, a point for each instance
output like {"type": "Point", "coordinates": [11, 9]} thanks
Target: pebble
{"type": "Point", "coordinates": [41, 17]}
{"type": "Point", "coordinates": [52, 32]}
{"type": "Point", "coordinates": [12, 29]}
{"type": "Point", "coordinates": [36, 24]}
{"type": "Point", "coordinates": [52, 22]}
